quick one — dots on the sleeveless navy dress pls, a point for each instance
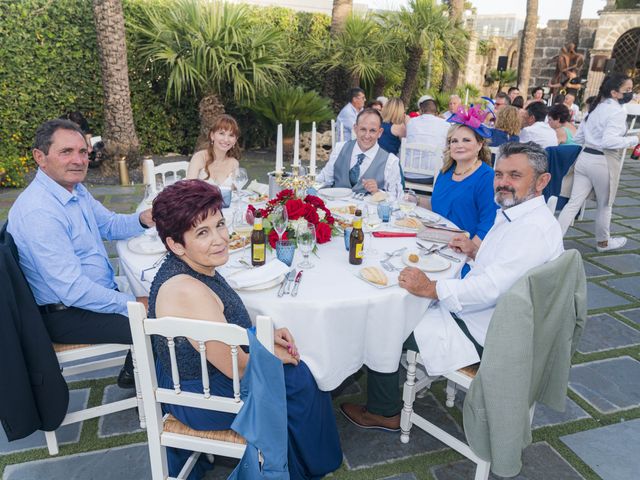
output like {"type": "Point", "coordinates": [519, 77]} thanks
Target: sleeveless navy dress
{"type": "Point", "coordinates": [388, 140]}
{"type": "Point", "coordinates": [313, 444]}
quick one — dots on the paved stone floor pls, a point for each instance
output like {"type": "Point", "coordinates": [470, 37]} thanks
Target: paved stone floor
{"type": "Point", "coordinates": [596, 437]}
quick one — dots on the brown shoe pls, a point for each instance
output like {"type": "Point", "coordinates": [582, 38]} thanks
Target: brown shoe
{"type": "Point", "coordinates": [359, 416]}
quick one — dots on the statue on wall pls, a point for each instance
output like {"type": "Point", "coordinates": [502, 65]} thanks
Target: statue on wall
{"type": "Point", "coordinates": [566, 78]}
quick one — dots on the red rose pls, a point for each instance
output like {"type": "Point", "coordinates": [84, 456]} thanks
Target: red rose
{"type": "Point", "coordinates": [273, 237]}
{"type": "Point", "coordinates": [295, 209]}
{"type": "Point", "coordinates": [311, 214]}
{"type": "Point", "coordinates": [315, 201]}
{"type": "Point", "coordinates": [285, 194]}
{"type": "Point", "coordinates": [330, 220]}
{"type": "Point", "coordinates": [323, 233]}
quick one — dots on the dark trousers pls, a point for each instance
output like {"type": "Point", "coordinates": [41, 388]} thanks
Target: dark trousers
{"type": "Point", "coordinates": [75, 325]}
{"type": "Point", "coordinates": [383, 390]}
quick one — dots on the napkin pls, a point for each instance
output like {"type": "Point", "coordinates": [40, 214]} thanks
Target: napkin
{"type": "Point", "coordinates": [259, 188]}
{"type": "Point", "coordinates": [259, 275]}
{"type": "Point", "coordinates": [392, 234]}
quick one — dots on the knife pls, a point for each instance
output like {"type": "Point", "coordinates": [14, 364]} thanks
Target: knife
{"type": "Point", "coordinates": [296, 284]}
{"type": "Point", "coordinates": [283, 284]}
{"type": "Point", "coordinates": [438, 251]}
{"type": "Point", "coordinates": [289, 280]}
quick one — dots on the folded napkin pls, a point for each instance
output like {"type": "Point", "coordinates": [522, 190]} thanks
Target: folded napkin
{"type": "Point", "coordinates": [259, 188]}
{"type": "Point", "coordinates": [392, 234]}
{"type": "Point", "coordinates": [258, 276]}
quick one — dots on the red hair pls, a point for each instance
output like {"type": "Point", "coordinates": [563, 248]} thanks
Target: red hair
{"type": "Point", "coordinates": [181, 206]}
{"type": "Point", "coordinates": [223, 122]}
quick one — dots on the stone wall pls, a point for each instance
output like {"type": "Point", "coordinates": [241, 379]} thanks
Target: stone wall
{"type": "Point", "coordinates": [549, 42]}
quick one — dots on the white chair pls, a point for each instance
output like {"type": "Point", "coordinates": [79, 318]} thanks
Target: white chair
{"type": "Point", "coordinates": [420, 163]}
{"type": "Point", "coordinates": [552, 202]}
{"type": "Point", "coordinates": [70, 353]}
{"type": "Point", "coordinates": [167, 431]}
{"type": "Point", "coordinates": [168, 173]}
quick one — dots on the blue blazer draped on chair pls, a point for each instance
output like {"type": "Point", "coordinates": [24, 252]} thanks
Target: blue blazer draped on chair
{"type": "Point", "coordinates": [561, 159]}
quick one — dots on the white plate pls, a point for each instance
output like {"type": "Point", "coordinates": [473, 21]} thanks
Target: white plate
{"type": "Point", "coordinates": [430, 263]}
{"type": "Point", "coordinates": [336, 192]}
{"type": "Point", "coordinates": [369, 199]}
{"type": "Point", "coordinates": [264, 286]}
{"type": "Point", "coordinates": [388, 285]}
{"type": "Point", "coordinates": [146, 245]}
{"type": "Point", "coordinates": [427, 215]}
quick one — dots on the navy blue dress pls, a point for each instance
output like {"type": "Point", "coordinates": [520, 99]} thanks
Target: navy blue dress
{"type": "Point", "coordinates": [313, 445]}
{"type": "Point", "coordinates": [388, 140]}
{"type": "Point", "coordinates": [498, 137]}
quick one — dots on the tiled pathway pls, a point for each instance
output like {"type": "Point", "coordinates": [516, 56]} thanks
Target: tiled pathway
{"type": "Point", "coordinates": [596, 437]}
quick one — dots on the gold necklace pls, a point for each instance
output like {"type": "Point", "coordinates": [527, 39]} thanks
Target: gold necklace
{"type": "Point", "coordinates": [468, 169]}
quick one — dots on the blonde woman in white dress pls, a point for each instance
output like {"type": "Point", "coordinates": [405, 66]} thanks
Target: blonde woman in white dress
{"type": "Point", "coordinates": [217, 164]}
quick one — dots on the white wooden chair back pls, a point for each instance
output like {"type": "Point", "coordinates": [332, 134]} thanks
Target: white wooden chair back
{"type": "Point", "coordinates": [552, 202]}
{"type": "Point", "coordinates": [168, 173]}
{"type": "Point", "coordinates": [422, 159]}
{"type": "Point", "coordinates": [92, 358]}
{"type": "Point", "coordinates": [201, 332]}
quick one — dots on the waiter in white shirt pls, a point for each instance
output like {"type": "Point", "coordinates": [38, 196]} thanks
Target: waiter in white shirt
{"type": "Point", "coordinates": [535, 128]}
{"type": "Point", "coordinates": [361, 164]}
{"type": "Point", "coordinates": [347, 116]}
{"type": "Point", "coordinates": [452, 332]}
{"type": "Point", "coordinates": [603, 134]}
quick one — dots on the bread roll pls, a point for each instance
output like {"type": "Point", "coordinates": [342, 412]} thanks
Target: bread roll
{"type": "Point", "coordinates": [413, 258]}
{"type": "Point", "coordinates": [374, 275]}
{"type": "Point", "coordinates": [409, 222]}
{"type": "Point", "coordinates": [379, 196]}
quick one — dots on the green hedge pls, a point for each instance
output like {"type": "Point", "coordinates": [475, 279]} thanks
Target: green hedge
{"type": "Point", "coordinates": [50, 66]}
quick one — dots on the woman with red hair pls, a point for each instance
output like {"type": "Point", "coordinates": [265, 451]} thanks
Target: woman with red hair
{"type": "Point", "coordinates": [219, 161]}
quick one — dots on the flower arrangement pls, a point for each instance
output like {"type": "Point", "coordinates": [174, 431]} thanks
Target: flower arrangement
{"type": "Point", "coordinates": [308, 209]}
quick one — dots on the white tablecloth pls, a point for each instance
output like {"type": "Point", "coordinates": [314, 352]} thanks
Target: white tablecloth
{"type": "Point", "coordinates": [339, 322]}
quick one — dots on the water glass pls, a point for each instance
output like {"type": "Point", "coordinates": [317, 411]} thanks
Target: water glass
{"type": "Point", "coordinates": [279, 220]}
{"type": "Point", "coordinates": [285, 250]}
{"type": "Point", "coordinates": [226, 197]}
{"type": "Point", "coordinates": [408, 201]}
{"type": "Point", "coordinates": [347, 237]}
{"type": "Point", "coordinates": [306, 238]}
{"type": "Point", "coordinates": [384, 211]}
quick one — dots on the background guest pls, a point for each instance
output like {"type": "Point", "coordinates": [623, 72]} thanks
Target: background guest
{"type": "Point", "coordinates": [347, 116]}
{"type": "Point", "coordinates": [559, 119]}
{"type": "Point", "coordinates": [507, 127]}
{"type": "Point", "coordinates": [393, 125]}
{"type": "Point", "coordinates": [535, 128]}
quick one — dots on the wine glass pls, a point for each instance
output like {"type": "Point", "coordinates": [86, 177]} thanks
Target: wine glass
{"type": "Point", "coordinates": [240, 179]}
{"type": "Point", "coordinates": [306, 238]}
{"type": "Point", "coordinates": [408, 201]}
{"type": "Point", "coordinates": [371, 220]}
{"type": "Point", "coordinates": [243, 225]}
{"type": "Point", "coordinates": [279, 220]}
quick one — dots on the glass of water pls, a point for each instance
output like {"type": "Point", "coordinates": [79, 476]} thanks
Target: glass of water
{"type": "Point", "coordinates": [306, 239]}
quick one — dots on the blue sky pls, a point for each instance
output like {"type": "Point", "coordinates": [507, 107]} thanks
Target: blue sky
{"type": "Point", "coordinates": [547, 9]}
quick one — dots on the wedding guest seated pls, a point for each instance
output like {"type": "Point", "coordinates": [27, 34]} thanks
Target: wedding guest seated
{"type": "Point", "coordinates": [347, 116]}
{"type": "Point", "coordinates": [559, 119]}
{"type": "Point", "coordinates": [361, 164]}
{"type": "Point", "coordinates": [518, 102]}
{"type": "Point", "coordinates": [190, 223]}
{"type": "Point", "coordinates": [393, 126]}
{"type": "Point", "coordinates": [537, 95]}
{"type": "Point", "coordinates": [219, 161]}
{"type": "Point", "coordinates": [454, 103]}
{"type": "Point", "coordinates": [535, 128]}
{"type": "Point", "coordinates": [513, 93]}
{"type": "Point", "coordinates": [502, 100]}
{"type": "Point", "coordinates": [507, 127]}
{"type": "Point", "coordinates": [463, 192]}
{"type": "Point", "coordinates": [574, 109]}
{"type": "Point", "coordinates": [375, 104]}
{"type": "Point", "coordinates": [59, 229]}
{"type": "Point", "coordinates": [428, 128]}
{"type": "Point", "coordinates": [452, 332]}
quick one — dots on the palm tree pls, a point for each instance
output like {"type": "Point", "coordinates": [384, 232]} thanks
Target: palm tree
{"type": "Point", "coordinates": [573, 26]}
{"type": "Point", "coordinates": [450, 80]}
{"type": "Point", "coordinates": [119, 133]}
{"type": "Point", "coordinates": [528, 45]}
{"type": "Point", "coordinates": [339, 13]}
{"type": "Point", "coordinates": [422, 25]}
{"type": "Point", "coordinates": [205, 49]}
{"type": "Point", "coordinates": [334, 81]}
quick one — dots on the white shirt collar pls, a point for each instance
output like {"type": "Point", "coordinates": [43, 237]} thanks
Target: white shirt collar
{"type": "Point", "coordinates": [371, 153]}
{"type": "Point", "coordinates": [514, 213]}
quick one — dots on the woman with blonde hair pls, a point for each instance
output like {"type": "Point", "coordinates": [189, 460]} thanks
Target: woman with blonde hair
{"type": "Point", "coordinates": [217, 164]}
{"type": "Point", "coordinates": [507, 127]}
{"type": "Point", "coordinates": [463, 192]}
{"type": "Point", "coordinates": [393, 125]}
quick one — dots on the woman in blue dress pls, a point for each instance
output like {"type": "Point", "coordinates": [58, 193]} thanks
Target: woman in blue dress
{"type": "Point", "coordinates": [393, 125]}
{"type": "Point", "coordinates": [463, 192]}
{"type": "Point", "coordinates": [507, 127]}
{"type": "Point", "coordinates": [189, 221]}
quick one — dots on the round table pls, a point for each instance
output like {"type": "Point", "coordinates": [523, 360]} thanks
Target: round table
{"type": "Point", "coordinates": [339, 321]}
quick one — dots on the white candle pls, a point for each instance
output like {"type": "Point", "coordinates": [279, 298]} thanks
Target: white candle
{"type": "Point", "coordinates": [466, 97]}
{"type": "Point", "coordinates": [312, 154]}
{"type": "Point", "coordinates": [296, 146]}
{"type": "Point", "coordinates": [147, 173]}
{"type": "Point", "coordinates": [279, 150]}
{"type": "Point", "coordinates": [333, 134]}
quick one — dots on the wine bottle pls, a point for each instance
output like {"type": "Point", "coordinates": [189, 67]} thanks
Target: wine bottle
{"type": "Point", "coordinates": [356, 241]}
{"type": "Point", "coordinates": [258, 242]}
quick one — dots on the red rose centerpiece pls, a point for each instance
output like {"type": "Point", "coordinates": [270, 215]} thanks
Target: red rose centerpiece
{"type": "Point", "coordinates": [308, 209]}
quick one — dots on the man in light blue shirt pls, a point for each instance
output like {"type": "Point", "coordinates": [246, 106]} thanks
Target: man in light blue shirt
{"type": "Point", "coordinates": [347, 116]}
{"type": "Point", "coordinates": [58, 228]}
